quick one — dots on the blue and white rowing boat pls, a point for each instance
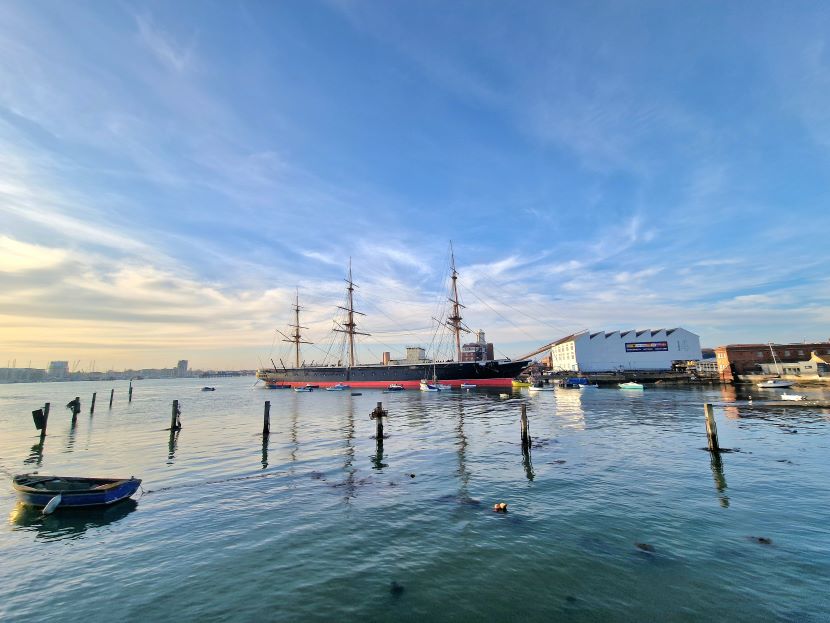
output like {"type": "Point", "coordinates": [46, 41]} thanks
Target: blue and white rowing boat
{"type": "Point", "coordinates": [35, 490]}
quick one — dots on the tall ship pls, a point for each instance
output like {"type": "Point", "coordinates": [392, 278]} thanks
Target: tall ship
{"type": "Point", "coordinates": [479, 368]}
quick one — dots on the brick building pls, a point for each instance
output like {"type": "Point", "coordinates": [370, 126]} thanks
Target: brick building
{"type": "Point", "coordinates": [737, 359]}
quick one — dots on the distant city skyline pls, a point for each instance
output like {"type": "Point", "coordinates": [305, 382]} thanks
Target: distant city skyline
{"type": "Point", "coordinates": [171, 174]}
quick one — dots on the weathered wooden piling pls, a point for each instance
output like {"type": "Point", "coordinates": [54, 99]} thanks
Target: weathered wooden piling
{"type": "Point", "coordinates": [112, 393]}
{"type": "Point", "coordinates": [37, 416]}
{"type": "Point", "coordinates": [46, 408]}
{"type": "Point", "coordinates": [75, 406]}
{"type": "Point", "coordinates": [266, 419]}
{"type": "Point", "coordinates": [175, 420]}
{"type": "Point", "coordinates": [525, 434]}
{"type": "Point", "coordinates": [378, 414]}
{"type": "Point", "coordinates": [130, 393]}
{"type": "Point", "coordinates": [92, 404]}
{"type": "Point", "coordinates": [711, 427]}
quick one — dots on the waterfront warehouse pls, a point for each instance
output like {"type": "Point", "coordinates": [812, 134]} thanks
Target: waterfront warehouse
{"type": "Point", "coordinates": [650, 349]}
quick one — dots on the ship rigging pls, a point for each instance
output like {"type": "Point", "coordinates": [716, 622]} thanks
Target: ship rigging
{"type": "Point", "coordinates": [407, 372]}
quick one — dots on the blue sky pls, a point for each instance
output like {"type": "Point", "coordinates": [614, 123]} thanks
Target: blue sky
{"type": "Point", "coordinates": [170, 173]}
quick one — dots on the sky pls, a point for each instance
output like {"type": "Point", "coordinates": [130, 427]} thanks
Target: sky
{"type": "Point", "coordinates": [173, 174]}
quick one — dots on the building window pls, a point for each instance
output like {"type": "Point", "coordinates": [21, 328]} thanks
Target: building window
{"type": "Point", "coordinates": [759, 354]}
{"type": "Point", "coordinates": [801, 352]}
{"type": "Point", "coordinates": [786, 353]}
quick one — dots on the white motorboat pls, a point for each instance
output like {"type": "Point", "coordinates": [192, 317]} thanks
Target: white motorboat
{"type": "Point", "coordinates": [337, 388]}
{"type": "Point", "coordinates": [786, 396]}
{"type": "Point", "coordinates": [541, 388]}
{"type": "Point", "coordinates": [631, 385]}
{"type": "Point", "coordinates": [425, 386]}
{"type": "Point", "coordinates": [775, 384]}
{"type": "Point", "coordinates": [468, 386]}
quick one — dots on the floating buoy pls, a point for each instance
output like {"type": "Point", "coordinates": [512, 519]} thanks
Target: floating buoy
{"type": "Point", "coordinates": [52, 505]}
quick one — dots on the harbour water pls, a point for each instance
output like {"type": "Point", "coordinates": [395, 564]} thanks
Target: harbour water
{"type": "Point", "coordinates": [316, 524]}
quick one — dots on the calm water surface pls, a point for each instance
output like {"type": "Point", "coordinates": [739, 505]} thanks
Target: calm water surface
{"type": "Point", "coordinates": [318, 522]}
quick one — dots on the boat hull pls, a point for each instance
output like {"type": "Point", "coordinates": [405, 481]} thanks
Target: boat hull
{"type": "Point", "coordinates": [481, 374]}
{"type": "Point", "coordinates": [102, 492]}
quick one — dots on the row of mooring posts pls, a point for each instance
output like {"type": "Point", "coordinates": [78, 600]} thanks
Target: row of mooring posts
{"type": "Point", "coordinates": [41, 416]}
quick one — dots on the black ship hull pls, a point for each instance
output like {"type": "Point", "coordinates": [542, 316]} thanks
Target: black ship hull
{"type": "Point", "coordinates": [481, 373]}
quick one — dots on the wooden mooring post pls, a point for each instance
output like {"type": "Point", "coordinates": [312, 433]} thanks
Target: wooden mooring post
{"type": "Point", "coordinates": [46, 408]}
{"type": "Point", "coordinates": [711, 427]}
{"type": "Point", "coordinates": [112, 393]}
{"type": "Point", "coordinates": [175, 419]}
{"type": "Point", "coordinates": [378, 414]}
{"type": "Point", "coordinates": [92, 404]}
{"type": "Point", "coordinates": [130, 393]}
{"type": "Point", "coordinates": [40, 416]}
{"type": "Point", "coordinates": [525, 434]}
{"type": "Point", "coordinates": [75, 406]}
{"type": "Point", "coordinates": [266, 419]}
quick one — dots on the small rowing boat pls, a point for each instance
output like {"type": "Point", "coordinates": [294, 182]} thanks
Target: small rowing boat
{"type": "Point", "coordinates": [53, 491]}
{"type": "Point", "coordinates": [468, 386]}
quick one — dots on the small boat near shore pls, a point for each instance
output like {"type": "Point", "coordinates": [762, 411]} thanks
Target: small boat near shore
{"type": "Point", "coordinates": [303, 389]}
{"type": "Point", "coordinates": [208, 389]}
{"type": "Point", "coordinates": [631, 385]}
{"type": "Point", "coordinates": [395, 387]}
{"type": "Point", "coordinates": [520, 383]}
{"type": "Point", "coordinates": [67, 491]}
{"type": "Point", "coordinates": [541, 388]}
{"type": "Point", "coordinates": [775, 384]}
{"type": "Point", "coordinates": [797, 397]}
{"type": "Point", "coordinates": [468, 386]}
{"type": "Point", "coordinates": [337, 388]}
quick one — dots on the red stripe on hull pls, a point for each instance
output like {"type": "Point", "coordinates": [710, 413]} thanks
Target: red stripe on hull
{"type": "Point", "coordinates": [408, 384]}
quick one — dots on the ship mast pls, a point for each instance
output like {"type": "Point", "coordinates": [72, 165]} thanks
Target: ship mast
{"type": "Point", "coordinates": [295, 337]}
{"type": "Point", "coordinates": [454, 321]}
{"type": "Point", "coordinates": [350, 325]}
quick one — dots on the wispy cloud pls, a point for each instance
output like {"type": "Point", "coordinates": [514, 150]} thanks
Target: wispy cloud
{"type": "Point", "coordinates": [175, 55]}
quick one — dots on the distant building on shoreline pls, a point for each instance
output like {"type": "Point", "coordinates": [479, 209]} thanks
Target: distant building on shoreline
{"type": "Point", "coordinates": [480, 350]}
{"type": "Point", "coordinates": [649, 349]}
{"type": "Point", "coordinates": [58, 370]}
{"type": "Point", "coordinates": [181, 369]}
{"type": "Point", "coordinates": [739, 359]}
